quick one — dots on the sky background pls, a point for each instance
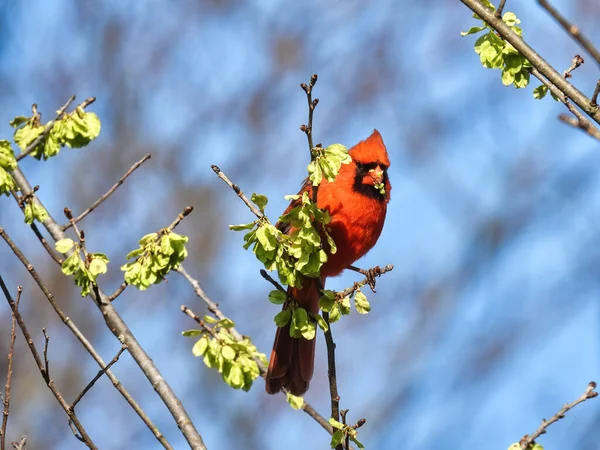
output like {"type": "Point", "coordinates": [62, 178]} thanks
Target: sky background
{"type": "Point", "coordinates": [489, 321]}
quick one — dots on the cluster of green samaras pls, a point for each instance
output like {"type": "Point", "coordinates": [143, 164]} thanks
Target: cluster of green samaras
{"type": "Point", "coordinates": [8, 163]}
{"type": "Point", "coordinates": [75, 130]}
{"type": "Point", "coordinates": [234, 359]}
{"type": "Point", "coordinates": [157, 255]}
{"type": "Point", "coordinates": [495, 53]}
{"type": "Point", "coordinates": [84, 270]}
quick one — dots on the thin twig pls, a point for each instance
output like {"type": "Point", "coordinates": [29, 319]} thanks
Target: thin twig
{"type": "Point", "coordinates": [572, 30]}
{"type": "Point", "coordinates": [595, 94]}
{"type": "Point", "coordinates": [118, 292]}
{"type": "Point", "coordinates": [31, 147]}
{"type": "Point", "coordinates": [527, 440]}
{"type": "Point", "coordinates": [7, 386]}
{"type": "Point", "coordinates": [97, 377]}
{"type": "Point", "coordinates": [21, 444]}
{"type": "Point", "coordinates": [308, 129]}
{"type": "Point", "coordinates": [84, 341]}
{"type": "Point", "coordinates": [343, 413]}
{"type": "Point", "coordinates": [331, 371]}
{"type": "Point", "coordinates": [80, 430]}
{"type": "Point", "coordinates": [500, 8]}
{"type": "Point", "coordinates": [46, 363]}
{"type": "Point", "coordinates": [575, 63]}
{"type": "Point", "coordinates": [238, 191]}
{"type": "Point", "coordinates": [535, 59]}
{"type": "Point", "coordinates": [581, 122]}
{"type": "Point", "coordinates": [374, 272]}
{"type": "Point", "coordinates": [109, 192]}
{"type": "Point", "coordinates": [122, 332]}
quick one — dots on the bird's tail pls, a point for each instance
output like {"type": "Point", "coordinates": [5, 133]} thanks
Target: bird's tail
{"type": "Point", "coordinates": [293, 359]}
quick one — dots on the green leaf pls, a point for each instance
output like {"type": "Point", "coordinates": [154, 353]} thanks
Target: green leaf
{"type": "Point", "coordinates": [321, 322]}
{"type": "Point", "coordinates": [39, 212]}
{"type": "Point", "coordinates": [245, 226]}
{"type": "Point", "coordinates": [335, 313]}
{"type": "Point", "coordinates": [200, 347]}
{"type": "Point", "coordinates": [260, 201]}
{"type": "Point", "coordinates": [361, 303]}
{"type": "Point", "coordinates": [97, 267]}
{"type": "Point", "coordinates": [345, 306]}
{"type": "Point", "coordinates": [472, 30]}
{"type": "Point", "coordinates": [283, 318]}
{"type": "Point", "coordinates": [336, 438]}
{"type": "Point", "coordinates": [228, 353]}
{"type": "Point", "coordinates": [18, 121]}
{"type": "Point", "coordinates": [299, 322]}
{"type": "Point", "coordinates": [510, 19]}
{"type": "Point", "coordinates": [7, 156]}
{"type": "Point", "coordinates": [192, 333]}
{"type": "Point", "coordinates": [327, 300]}
{"type": "Point", "coordinates": [72, 264]}
{"type": "Point", "coordinates": [28, 211]}
{"type": "Point", "coordinates": [235, 377]}
{"type": "Point", "coordinates": [507, 78]}
{"type": "Point", "coordinates": [309, 331]}
{"type": "Point", "coordinates": [64, 245]}
{"type": "Point", "coordinates": [295, 401]}
{"type": "Point", "coordinates": [335, 424]}
{"type": "Point", "coordinates": [357, 442]}
{"type": "Point", "coordinates": [7, 182]}
{"type": "Point", "coordinates": [277, 297]}
{"type": "Point", "coordinates": [540, 92]}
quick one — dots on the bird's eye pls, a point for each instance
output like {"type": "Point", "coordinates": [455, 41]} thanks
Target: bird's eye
{"type": "Point", "coordinates": [360, 166]}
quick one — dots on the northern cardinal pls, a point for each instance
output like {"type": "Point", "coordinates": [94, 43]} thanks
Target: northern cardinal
{"type": "Point", "coordinates": [357, 205]}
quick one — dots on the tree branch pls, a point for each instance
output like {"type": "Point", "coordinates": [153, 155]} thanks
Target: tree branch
{"type": "Point", "coordinates": [572, 30]}
{"type": "Point", "coordinates": [238, 191]}
{"type": "Point", "coordinates": [83, 340]}
{"type": "Point", "coordinates": [527, 440]}
{"type": "Point", "coordinates": [80, 433]}
{"type": "Point", "coordinates": [120, 329]}
{"type": "Point", "coordinates": [7, 386]}
{"type": "Point", "coordinates": [536, 60]}
{"type": "Point", "coordinates": [108, 193]}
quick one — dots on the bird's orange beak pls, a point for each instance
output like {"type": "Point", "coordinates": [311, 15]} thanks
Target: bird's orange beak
{"type": "Point", "coordinates": [377, 175]}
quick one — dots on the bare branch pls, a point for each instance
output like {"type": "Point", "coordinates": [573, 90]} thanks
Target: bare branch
{"type": "Point", "coordinates": [84, 341]}
{"type": "Point", "coordinates": [109, 192]}
{"type": "Point", "coordinates": [238, 191]}
{"type": "Point", "coordinates": [581, 121]}
{"type": "Point", "coordinates": [120, 329]}
{"type": "Point", "coordinates": [7, 386]}
{"type": "Point", "coordinates": [572, 30]}
{"type": "Point", "coordinates": [595, 94]}
{"type": "Point", "coordinates": [97, 377]}
{"type": "Point", "coordinates": [500, 8]}
{"type": "Point", "coordinates": [118, 292]}
{"type": "Point", "coordinates": [527, 440]}
{"type": "Point", "coordinates": [80, 433]}
{"type": "Point", "coordinates": [21, 444]}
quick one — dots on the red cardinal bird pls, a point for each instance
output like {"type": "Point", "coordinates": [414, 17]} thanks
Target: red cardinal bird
{"type": "Point", "coordinates": [357, 209]}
